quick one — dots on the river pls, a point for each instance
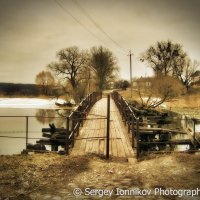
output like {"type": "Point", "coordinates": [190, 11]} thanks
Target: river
{"type": "Point", "coordinates": [16, 126]}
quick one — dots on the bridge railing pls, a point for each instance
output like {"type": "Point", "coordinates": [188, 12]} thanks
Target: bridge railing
{"type": "Point", "coordinates": [137, 126]}
{"type": "Point", "coordinates": [192, 126]}
{"type": "Point", "coordinates": [129, 118]}
{"type": "Point", "coordinates": [77, 117]}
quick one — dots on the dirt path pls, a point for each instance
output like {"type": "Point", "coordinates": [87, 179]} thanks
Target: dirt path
{"type": "Point", "coordinates": [54, 177]}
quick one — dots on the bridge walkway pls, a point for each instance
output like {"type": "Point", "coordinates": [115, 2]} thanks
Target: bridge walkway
{"type": "Point", "coordinates": [92, 137]}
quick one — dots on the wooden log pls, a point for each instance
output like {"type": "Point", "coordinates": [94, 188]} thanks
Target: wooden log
{"type": "Point", "coordinates": [49, 130]}
{"type": "Point", "coordinates": [52, 141]}
{"type": "Point", "coordinates": [47, 135]}
{"type": "Point", "coordinates": [175, 142]}
{"type": "Point", "coordinates": [141, 129]}
{"type": "Point", "coordinates": [174, 152]}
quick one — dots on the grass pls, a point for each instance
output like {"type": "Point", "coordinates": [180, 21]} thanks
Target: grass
{"type": "Point", "coordinates": [33, 176]}
{"type": "Point", "coordinates": [189, 100]}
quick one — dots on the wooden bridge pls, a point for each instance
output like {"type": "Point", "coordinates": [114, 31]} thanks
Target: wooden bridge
{"type": "Point", "coordinates": [97, 126]}
{"type": "Point", "coordinates": [91, 127]}
{"type": "Point", "coordinates": [92, 137]}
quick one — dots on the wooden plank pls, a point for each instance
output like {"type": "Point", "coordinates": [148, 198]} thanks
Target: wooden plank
{"type": "Point", "coordinates": [84, 133]}
{"type": "Point", "coordinates": [125, 139]}
{"type": "Point", "coordinates": [114, 148]}
{"type": "Point", "coordinates": [97, 123]}
{"type": "Point", "coordinates": [118, 147]}
{"type": "Point", "coordinates": [177, 142]}
{"type": "Point", "coordinates": [162, 130]}
{"type": "Point", "coordinates": [95, 146]}
{"type": "Point", "coordinates": [120, 131]}
{"type": "Point", "coordinates": [102, 141]}
{"type": "Point", "coordinates": [113, 141]}
{"type": "Point", "coordinates": [89, 144]}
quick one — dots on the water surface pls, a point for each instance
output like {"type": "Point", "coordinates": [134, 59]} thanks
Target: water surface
{"type": "Point", "coordinates": [16, 126]}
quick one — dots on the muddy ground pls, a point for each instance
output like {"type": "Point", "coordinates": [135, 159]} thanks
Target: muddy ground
{"type": "Point", "coordinates": [52, 176]}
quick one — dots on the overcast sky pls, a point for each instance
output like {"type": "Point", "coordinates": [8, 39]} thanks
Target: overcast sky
{"type": "Point", "coordinates": [32, 31]}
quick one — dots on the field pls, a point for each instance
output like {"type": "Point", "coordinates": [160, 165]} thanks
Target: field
{"type": "Point", "coordinates": [186, 104]}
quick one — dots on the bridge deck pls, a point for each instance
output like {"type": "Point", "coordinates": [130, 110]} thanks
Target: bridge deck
{"type": "Point", "coordinates": [93, 133]}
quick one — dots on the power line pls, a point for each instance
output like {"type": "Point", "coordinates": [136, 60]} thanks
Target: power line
{"type": "Point", "coordinates": [97, 25]}
{"type": "Point", "coordinates": [69, 13]}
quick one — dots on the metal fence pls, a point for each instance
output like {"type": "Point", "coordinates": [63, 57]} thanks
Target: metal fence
{"type": "Point", "coordinates": [70, 125]}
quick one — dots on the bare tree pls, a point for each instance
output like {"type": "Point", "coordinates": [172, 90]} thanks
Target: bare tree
{"type": "Point", "coordinates": [71, 65]}
{"type": "Point", "coordinates": [45, 116]}
{"type": "Point", "coordinates": [167, 58]}
{"type": "Point", "coordinates": [89, 80]}
{"type": "Point", "coordinates": [161, 89]}
{"type": "Point", "coordinates": [184, 71]}
{"type": "Point", "coordinates": [104, 63]}
{"type": "Point", "coordinates": [45, 81]}
{"type": "Point", "coordinates": [121, 84]}
{"type": "Point", "coordinates": [163, 57]}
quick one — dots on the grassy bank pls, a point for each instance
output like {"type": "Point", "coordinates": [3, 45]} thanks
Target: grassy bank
{"type": "Point", "coordinates": [188, 104]}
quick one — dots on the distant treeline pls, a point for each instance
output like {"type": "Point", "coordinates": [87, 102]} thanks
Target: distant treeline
{"type": "Point", "coordinates": [10, 89]}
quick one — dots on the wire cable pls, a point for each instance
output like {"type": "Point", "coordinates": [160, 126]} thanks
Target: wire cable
{"type": "Point", "coordinates": [69, 13]}
{"type": "Point", "coordinates": [98, 26]}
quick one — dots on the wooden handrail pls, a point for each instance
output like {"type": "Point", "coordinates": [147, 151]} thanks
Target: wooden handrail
{"type": "Point", "coordinates": [77, 117]}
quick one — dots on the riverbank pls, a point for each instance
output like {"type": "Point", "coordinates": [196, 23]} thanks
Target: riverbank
{"type": "Point", "coordinates": [51, 176]}
{"type": "Point", "coordinates": [186, 104]}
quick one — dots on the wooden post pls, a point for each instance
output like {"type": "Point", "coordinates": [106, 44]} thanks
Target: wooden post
{"type": "Point", "coordinates": [108, 128]}
{"type": "Point", "coordinates": [26, 132]}
{"type": "Point", "coordinates": [138, 138]}
{"type": "Point", "coordinates": [67, 136]}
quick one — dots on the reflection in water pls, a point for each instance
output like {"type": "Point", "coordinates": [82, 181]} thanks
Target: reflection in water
{"type": "Point", "coordinates": [45, 116]}
{"type": "Point", "coordinates": [16, 127]}
{"type": "Point", "coordinates": [63, 113]}
{"type": "Point", "coordinates": [62, 120]}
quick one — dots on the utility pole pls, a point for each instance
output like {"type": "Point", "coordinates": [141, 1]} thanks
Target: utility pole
{"type": "Point", "coordinates": [130, 55]}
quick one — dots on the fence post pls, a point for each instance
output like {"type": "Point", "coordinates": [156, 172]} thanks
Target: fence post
{"type": "Point", "coordinates": [108, 128]}
{"type": "Point", "coordinates": [26, 132]}
{"type": "Point", "coordinates": [67, 136]}
{"type": "Point", "coordinates": [137, 138]}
